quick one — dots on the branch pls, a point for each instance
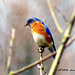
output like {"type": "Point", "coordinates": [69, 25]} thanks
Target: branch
{"type": "Point", "coordinates": [70, 41]}
{"type": "Point", "coordinates": [31, 65]}
{"type": "Point", "coordinates": [62, 46]}
{"type": "Point", "coordinates": [54, 17]}
{"type": "Point", "coordinates": [40, 66]}
{"type": "Point", "coordinates": [10, 49]}
{"type": "Point", "coordinates": [64, 17]}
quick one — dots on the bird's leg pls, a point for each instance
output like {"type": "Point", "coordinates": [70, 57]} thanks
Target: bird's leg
{"type": "Point", "coordinates": [40, 66]}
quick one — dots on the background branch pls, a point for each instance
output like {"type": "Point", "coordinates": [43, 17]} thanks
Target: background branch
{"type": "Point", "coordinates": [64, 17]}
{"type": "Point", "coordinates": [54, 17]}
{"type": "Point", "coordinates": [64, 41]}
{"type": "Point", "coordinates": [31, 65]}
{"type": "Point", "coordinates": [10, 49]}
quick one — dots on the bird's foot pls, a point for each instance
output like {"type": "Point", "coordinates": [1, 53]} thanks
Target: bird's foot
{"type": "Point", "coordinates": [40, 66]}
{"type": "Point", "coordinates": [41, 50]}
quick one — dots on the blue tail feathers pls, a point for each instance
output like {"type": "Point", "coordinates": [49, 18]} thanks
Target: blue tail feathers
{"type": "Point", "coordinates": [53, 49]}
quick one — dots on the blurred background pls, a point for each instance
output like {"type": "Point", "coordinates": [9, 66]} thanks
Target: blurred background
{"type": "Point", "coordinates": [14, 13]}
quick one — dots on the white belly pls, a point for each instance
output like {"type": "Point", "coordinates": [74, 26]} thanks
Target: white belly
{"type": "Point", "coordinates": [39, 39]}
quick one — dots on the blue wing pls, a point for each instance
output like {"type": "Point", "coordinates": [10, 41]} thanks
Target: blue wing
{"type": "Point", "coordinates": [48, 31]}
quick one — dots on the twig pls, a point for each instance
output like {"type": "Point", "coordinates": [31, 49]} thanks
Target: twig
{"type": "Point", "coordinates": [70, 41]}
{"type": "Point", "coordinates": [10, 49]}
{"type": "Point", "coordinates": [41, 67]}
{"type": "Point", "coordinates": [54, 17]}
{"type": "Point", "coordinates": [64, 41]}
{"type": "Point", "coordinates": [31, 65]}
{"type": "Point", "coordinates": [64, 17]}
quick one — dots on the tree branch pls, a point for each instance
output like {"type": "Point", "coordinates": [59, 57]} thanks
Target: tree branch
{"type": "Point", "coordinates": [64, 17]}
{"type": "Point", "coordinates": [40, 66]}
{"type": "Point", "coordinates": [54, 17]}
{"type": "Point", "coordinates": [31, 65]}
{"type": "Point", "coordinates": [70, 41]}
{"type": "Point", "coordinates": [62, 46]}
{"type": "Point", "coordinates": [10, 49]}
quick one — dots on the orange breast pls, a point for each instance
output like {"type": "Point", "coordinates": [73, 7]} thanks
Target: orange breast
{"type": "Point", "coordinates": [40, 29]}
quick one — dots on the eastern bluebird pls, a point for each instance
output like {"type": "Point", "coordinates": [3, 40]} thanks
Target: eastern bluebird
{"type": "Point", "coordinates": [41, 34]}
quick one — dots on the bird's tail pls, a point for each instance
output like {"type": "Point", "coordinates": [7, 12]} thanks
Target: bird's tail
{"type": "Point", "coordinates": [52, 49]}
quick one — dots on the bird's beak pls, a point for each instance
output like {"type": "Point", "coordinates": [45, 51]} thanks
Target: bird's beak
{"type": "Point", "coordinates": [26, 25]}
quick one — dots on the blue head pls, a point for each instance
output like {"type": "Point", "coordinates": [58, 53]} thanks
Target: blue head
{"type": "Point", "coordinates": [32, 20]}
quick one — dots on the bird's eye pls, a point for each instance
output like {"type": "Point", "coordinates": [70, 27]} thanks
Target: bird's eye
{"type": "Point", "coordinates": [30, 21]}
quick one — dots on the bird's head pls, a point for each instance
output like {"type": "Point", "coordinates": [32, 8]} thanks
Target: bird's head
{"type": "Point", "coordinates": [32, 20]}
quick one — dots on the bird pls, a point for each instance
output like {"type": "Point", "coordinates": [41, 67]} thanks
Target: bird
{"type": "Point", "coordinates": [41, 34]}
